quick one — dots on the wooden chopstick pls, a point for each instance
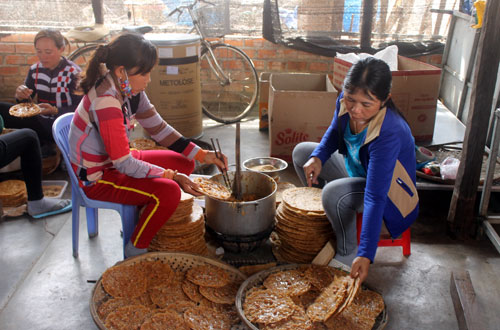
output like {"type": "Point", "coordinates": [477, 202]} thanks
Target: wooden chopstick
{"type": "Point", "coordinates": [219, 156]}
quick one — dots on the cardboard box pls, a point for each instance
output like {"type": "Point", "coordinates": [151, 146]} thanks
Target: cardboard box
{"type": "Point", "coordinates": [415, 89]}
{"type": "Point", "coordinates": [301, 107]}
{"type": "Point", "coordinates": [264, 101]}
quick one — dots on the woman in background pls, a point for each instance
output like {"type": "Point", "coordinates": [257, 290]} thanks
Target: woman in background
{"type": "Point", "coordinates": [52, 81]}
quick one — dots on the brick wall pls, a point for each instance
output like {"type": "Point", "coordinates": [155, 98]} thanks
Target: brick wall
{"type": "Point", "coordinates": [17, 54]}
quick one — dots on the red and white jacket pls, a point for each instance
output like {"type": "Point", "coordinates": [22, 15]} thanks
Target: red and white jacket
{"type": "Point", "coordinates": [99, 133]}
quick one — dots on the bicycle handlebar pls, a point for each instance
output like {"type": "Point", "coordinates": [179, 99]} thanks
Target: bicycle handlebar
{"type": "Point", "coordinates": [180, 9]}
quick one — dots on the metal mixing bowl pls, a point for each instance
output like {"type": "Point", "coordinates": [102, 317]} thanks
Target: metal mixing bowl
{"type": "Point", "coordinates": [279, 164]}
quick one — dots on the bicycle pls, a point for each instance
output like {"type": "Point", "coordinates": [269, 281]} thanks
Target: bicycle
{"type": "Point", "coordinates": [229, 80]}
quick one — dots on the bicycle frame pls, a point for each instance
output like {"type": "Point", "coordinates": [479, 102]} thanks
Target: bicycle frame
{"type": "Point", "coordinates": [224, 80]}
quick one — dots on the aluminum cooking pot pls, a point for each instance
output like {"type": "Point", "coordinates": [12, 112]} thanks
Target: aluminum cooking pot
{"type": "Point", "coordinates": [243, 218]}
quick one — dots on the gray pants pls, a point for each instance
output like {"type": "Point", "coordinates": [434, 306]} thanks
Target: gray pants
{"type": "Point", "coordinates": [342, 196]}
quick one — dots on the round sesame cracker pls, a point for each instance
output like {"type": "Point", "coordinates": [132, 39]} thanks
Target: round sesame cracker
{"type": "Point", "coordinates": [203, 318]}
{"type": "Point", "coordinates": [212, 188]}
{"type": "Point", "coordinates": [164, 295]}
{"type": "Point", "coordinates": [24, 110]}
{"type": "Point", "coordinates": [124, 281]}
{"type": "Point", "coordinates": [291, 282]}
{"type": "Point", "coordinates": [191, 290]}
{"type": "Point", "coordinates": [208, 275]}
{"type": "Point", "coordinates": [298, 320]}
{"type": "Point", "coordinates": [222, 295]}
{"type": "Point", "coordinates": [127, 317]}
{"type": "Point", "coordinates": [159, 273]}
{"type": "Point", "coordinates": [267, 306]}
{"type": "Point", "coordinates": [320, 276]}
{"type": "Point", "coordinates": [165, 320]}
{"type": "Point", "coordinates": [307, 199]}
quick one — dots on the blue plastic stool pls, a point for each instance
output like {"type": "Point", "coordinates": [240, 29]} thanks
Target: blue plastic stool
{"type": "Point", "coordinates": [128, 213]}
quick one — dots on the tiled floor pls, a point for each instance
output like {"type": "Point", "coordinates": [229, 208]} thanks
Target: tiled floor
{"type": "Point", "coordinates": [43, 287]}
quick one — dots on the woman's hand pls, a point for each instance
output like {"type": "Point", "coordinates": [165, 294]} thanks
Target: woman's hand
{"type": "Point", "coordinates": [360, 267]}
{"type": "Point", "coordinates": [312, 168]}
{"type": "Point", "coordinates": [211, 158]}
{"type": "Point", "coordinates": [186, 184]}
{"type": "Point", "coordinates": [23, 92]}
{"type": "Point", "coordinates": [47, 109]}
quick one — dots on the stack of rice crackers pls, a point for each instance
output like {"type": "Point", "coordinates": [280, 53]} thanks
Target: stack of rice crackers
{"type": "Point", "coordinates": [184, 230]}
{"type": "Point", "coordinates": [312, 297]}
{"type": "Point", "coordinates": [150, 294]}
{"type": "Point", "coordinates": [13, 193]}
{"type": "Point", "coordinates": [299, 217]}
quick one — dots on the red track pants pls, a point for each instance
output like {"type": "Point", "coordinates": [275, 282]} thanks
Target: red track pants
{"type": "Point", "coordinates": [159, 196]}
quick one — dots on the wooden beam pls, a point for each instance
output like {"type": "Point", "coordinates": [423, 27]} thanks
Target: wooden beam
{"type": "Point", "coordinates": [461, 215]}
{"type": "Point", "coordinates": [463, 297]}
{"type": "Point", "coordinates": [98, 12]}
{"type": "Point", "coordinates": [366, 26]}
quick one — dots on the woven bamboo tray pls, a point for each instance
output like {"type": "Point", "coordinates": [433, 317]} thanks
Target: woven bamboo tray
{"type": "Point", "coordinates": [257, 280]}
{"type": "Point", "coordinates": [178, 262]}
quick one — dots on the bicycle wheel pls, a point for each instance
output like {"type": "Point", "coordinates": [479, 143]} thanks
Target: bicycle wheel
{"type": "Point", "coordinates": [81, 56]}
{"type": "Point", "coordinates": [227, 101]}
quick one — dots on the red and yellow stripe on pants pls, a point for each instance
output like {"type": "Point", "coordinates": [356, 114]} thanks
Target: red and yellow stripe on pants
{"type": "Point", "coordinates": [159, 196]}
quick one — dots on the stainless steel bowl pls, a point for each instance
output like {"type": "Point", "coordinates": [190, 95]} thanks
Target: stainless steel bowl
{"type": "Point", "coordinates": [279, 164]}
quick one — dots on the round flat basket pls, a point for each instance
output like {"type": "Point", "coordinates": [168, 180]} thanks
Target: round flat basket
{"type": "Point", "coordinates": [179, 262]}
{"type": "Point", "coordinates": [258, 279]}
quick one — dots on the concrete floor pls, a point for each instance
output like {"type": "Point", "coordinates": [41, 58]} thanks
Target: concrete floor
{"type": "Point", "coordinates": [43, 287]}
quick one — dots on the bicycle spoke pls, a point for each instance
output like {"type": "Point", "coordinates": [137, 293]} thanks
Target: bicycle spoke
{"type": "Point", "coordinates": [230, 102]}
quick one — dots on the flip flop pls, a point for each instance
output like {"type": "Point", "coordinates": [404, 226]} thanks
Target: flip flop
{"type": "Point", "coordinates": [46, 214]}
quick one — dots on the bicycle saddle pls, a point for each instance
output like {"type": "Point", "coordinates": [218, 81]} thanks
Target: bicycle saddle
{"type": "Point", "coordinates": [142, 29]}
{"type": "Point", "coordinates": [88, 33]}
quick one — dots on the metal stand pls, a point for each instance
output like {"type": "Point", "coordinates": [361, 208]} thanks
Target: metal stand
{"type": "Point", "coordinates": [489, 220]}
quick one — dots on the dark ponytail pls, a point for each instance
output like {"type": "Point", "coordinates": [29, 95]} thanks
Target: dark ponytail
{"type": "Point", "coordinates": [131, 50]}
{"type": "Point", "coordinates": [374, 76]}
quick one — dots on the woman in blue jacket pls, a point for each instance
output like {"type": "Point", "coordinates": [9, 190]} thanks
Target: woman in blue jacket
{"type": "Point", "coordinates": [365, 162]}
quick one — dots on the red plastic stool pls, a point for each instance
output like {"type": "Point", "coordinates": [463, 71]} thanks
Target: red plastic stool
{"type": "Point", "coordinates": [404, 241]}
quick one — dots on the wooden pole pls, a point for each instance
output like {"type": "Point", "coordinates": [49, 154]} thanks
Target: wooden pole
{"type": "Point", "coordinates": [366, 26]}
{"type": "Point", "coordinates": [461, 215]}
{"type": "Point", "coordinates": [98, 12]}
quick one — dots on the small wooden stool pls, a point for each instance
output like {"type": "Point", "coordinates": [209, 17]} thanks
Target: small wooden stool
{"type": "Point", "coordinates": [404, 241]}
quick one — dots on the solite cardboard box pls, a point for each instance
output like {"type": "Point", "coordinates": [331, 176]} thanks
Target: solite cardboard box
{"type": "Point", "coordinates": [415, 89]}
{"type": "Point", "coordinates": [301, 107]}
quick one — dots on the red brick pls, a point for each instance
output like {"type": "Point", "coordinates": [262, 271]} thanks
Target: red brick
{"type": "Point", "coordinates": [276, 66]}
{"type": "Point", "coordinates": [318, 67]}
{"type": "Point", "coordinates": [297, 66]}
{"type": "Point", "coordinates": [18, 37]}
{"type": "Point", "coordinates": [289, 53]}
{"type": "Point", "coordinates": [25, 49]}
{"type": "Point", "coordinates": [23, 71]}
{"type": "Point", "coordinates": [260, 65]}
{"type": "Point", "coordinates": [9, 70]}
{"type": "Point", "coordinates": [26, 37]}
{"type": "Point", "coordinates": [257, 43]}
{"type": "Point", "coordinates": [267, 54]}
{"type": "Point", "coordinates": [235, 42]}
{"type": "Point", "coordinates": [7, 48]}
{"type": "Point", "coordinates": [31, 59]}
{"type": "Point", "coordinates": [15, 59]}
{"type": "Point", "coordinates": [252, 53]}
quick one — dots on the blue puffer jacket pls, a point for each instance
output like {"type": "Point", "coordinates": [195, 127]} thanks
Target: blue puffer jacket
{"type": "Point", "coordinates": [388, 156]}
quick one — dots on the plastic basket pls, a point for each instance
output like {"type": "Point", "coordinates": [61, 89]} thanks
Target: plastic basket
{"type": "Point", "coordinates": [212, 20]}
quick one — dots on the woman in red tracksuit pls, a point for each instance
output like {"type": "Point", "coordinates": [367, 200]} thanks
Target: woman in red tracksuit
{"type": "Point", "coordinates": [114, 85]}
